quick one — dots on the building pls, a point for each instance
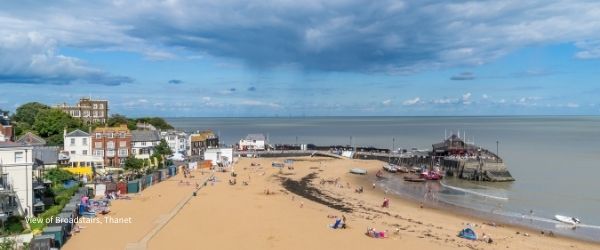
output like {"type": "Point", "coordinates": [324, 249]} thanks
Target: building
{"type": "Point", "coordinates": [77, 143]}
{"type": "Point", "coordinates": [31, 139]}
{"type": "Point", "coordinates": [6, 128]}
{"type": "Point", "coordinates": [113, 144]}
{"type": "Point", "coordinates": [200, 141]}
{"type": "Point", "coordinates": [144, 142]}
{"type": "Point", "coordinates": [177, 141]}
{"type": "Point", "coordinates": [45, 157]}
{"type": "Point", "coordinates": [88, 110]}
{"type": "Point", "coordinates": [16, 171]}
{"type": "Point", "coordinates": [222, 157]}
{"type": "Point", "coordinates": [253, 142]}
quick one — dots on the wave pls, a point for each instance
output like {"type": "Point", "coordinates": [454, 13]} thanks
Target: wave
{"type": "Point", "coordinates": [473, 192]}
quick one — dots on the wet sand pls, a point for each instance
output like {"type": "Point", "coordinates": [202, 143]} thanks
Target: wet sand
{"type": "Point", "coordinates": [295, 215]}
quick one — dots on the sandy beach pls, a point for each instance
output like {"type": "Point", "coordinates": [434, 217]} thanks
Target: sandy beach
{"type": "Point", "coordinates": [296, 214]}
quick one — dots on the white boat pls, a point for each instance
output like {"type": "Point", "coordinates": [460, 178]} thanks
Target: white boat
{"type": "Point", "coordinates": [390, 168]}
{"type": "Point", "coordinates": [567, 219]}
{"type": "Point", "coordinates": [358, 171]}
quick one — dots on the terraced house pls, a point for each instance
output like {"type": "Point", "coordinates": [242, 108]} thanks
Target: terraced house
{"type": "Point", "coordinates": [113, 144]}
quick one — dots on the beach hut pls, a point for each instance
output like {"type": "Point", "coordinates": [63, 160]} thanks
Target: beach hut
{"type": "Point", "coordinates": [122, 187]}
{"type": "Point", "coordinates": [133, 186]}
{"type": "Point", "coordinates": [100, 189]}
{"type": "Point", "coordinates": [155, 177]}
{"type": "Point", "coordinates": [42, 242]}
{"type": "Point", "coordinates": [148, 180]}
{"type": "Point", "coordinates": [164, 174]}
{"type": "Point", "coordinates": [57, 233]}
{"type": "Point", "coordinates": [111, 187]}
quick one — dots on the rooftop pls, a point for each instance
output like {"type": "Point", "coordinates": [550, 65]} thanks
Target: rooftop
{"type": "Point", "coordinates": [105, 129]}
{"type": "Point", "coordinates": [144, 135]}
{"type": "Point", "coordinates": [31, 139]}
{"type": "Point", "coordinates": [77, 133]}
{"type": "Point", "coordinates": [203, 136]}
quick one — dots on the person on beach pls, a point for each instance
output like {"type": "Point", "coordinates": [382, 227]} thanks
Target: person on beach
{"type": "Point", "coordinates": [386, 203]}
{"type": "Point", "coordinates": [344, 225]}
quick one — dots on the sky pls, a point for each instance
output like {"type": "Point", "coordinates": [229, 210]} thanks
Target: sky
{"type": "Point", "coordinates": [224, 58]}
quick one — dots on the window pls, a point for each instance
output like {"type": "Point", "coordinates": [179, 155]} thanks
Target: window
{"type": "Point", "coordinates": [110, 152]}
{"type": "Point", "coordinates": [171, 138]}
{"type": "Point", "coordinates": [95, 113]}
{"type": "Point", "coordinates": [99, 152]}
{"type": "Point", "coordinates": [73, 152]}
{"type": "Point", "coordinates": [84, 141]}
{"type": "Point", "coordinates": [76, 113]}
{"type": "Point", "coordinates": [123, 152]}
{"type": "Point", "coordinates": [84, 152]}
{"type": "Point", "coordinates": [110, 135]}
{"type": "Point", "coordinates": [110, 144]}
{"type": "Point", "coordinates": [98, 144]}
{"type": "Point", "coordinates": [19, 157]}
{"type": "Point", "coordinates": [95, 106]}
{"type": "Point", "coordinates": [121, 135]}
{"type": "Point", "coordinates": [101, 105]}
{"type": "Point", "coordinates": [72, 141]}
{"type": "Point", "coordinates": [86, 113]}
{"type": "Point", "coordinates": [123, 144]}
{"type": "Point", "coordinates": [98, 135]}
{"type": "Point", "coordinates": [143, 143]}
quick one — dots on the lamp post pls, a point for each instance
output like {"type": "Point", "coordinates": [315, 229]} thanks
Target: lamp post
{"type": "Point", "coordinates": [497, 155]}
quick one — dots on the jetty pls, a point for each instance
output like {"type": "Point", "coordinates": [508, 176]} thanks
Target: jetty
{"type": "Point", "coordinates": [453, 155]}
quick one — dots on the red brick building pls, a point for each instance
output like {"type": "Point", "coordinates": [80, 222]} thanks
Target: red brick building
{"type": "Point", "coordinates": [113, 144]}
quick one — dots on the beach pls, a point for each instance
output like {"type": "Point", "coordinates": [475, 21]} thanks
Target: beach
{"type": "Point", "coordinates": [297, 212]}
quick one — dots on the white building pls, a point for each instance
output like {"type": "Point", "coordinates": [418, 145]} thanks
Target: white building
{"type": "Point", "coordinates": [77, 143]}
{"type": "Point", "coordinates": [178, 141]}
{"type": "Point", "coordinates": [219, 156]}
{"type": "Point", "coordinates": [253, 142]}
{"type": "Point", "coordinates": [143, 143]}
{"type": "Point", "coordinates": [16, 165]}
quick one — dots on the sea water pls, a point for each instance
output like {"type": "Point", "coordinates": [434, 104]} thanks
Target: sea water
{"type": "Point", "coordinates": [554, 159]}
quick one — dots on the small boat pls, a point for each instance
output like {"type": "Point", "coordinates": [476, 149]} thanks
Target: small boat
{"type": "Point", "coordinates": [431, 175]}
{"type": "Point", "coordinates": [390, 168]}
{"type": "Point", "coordinates": [414, 179]}
{"type": "Point", "coordinates": [358, 171]}
{"type": "Point", "coordinates": [379, 174]}
{"type": "Point", "coordinates": [403, 169]}
{"type": "Point", "coordinates": [567, 219]}
{"type": "Point", "coordinates": [415, 169]}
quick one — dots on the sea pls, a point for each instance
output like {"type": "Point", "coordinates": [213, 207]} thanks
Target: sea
{"type": "Point", "coordinates": [554, 159]}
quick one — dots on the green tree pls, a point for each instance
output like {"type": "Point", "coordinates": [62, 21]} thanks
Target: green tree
{"type": "Point", "coordinates": [117, 119]}
{"type": "Point", "coordinates": [163, 148]}
{"type": "Point", "coordinates": [57, 175]}
{"type": "Point", "coordinates": [50, 123]}
{"type": "Point", "coordinates": [27, 112]}
{"type": "Point", "coordinates": [133, 164]}
{"type": "Point", "coordinates": [157, 122]}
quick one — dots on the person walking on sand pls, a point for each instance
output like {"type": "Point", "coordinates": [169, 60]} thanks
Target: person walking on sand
{"type": "Point", "coordinates": [343, 221]}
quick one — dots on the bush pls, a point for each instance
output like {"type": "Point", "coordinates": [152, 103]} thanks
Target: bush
{"type": "Point", "coordinates": [63, 195]}
{"type": "Point", "coordinates": [13, 225]}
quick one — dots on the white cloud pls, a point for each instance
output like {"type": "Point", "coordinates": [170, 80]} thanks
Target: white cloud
{"type": "Point", "coordinates": [485, 96]}
{"type": "Point", "coordinates": [572, 105]}
{"type": "Point", "coordinates": [411, 102]}
{"type": "Point", "coordinates": [249, 102]}
{"type": "Point", "coordinates": [387, 102]}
